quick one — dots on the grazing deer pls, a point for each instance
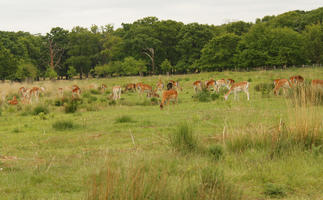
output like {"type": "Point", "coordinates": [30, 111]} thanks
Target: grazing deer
{"type": "Point", "coordinates": [296, 79]}
{"type": "Point", "coordinates": [145, 88]}
{"type": "Point", "coordinates": [230, 81]}
{"type": "Point", "coordinates": [276, 81]}
{"type": "Point", "coordinates": [116, 93]}
{"type": "Point", "coordinates": [222, 83]}
{"type": "Point", "coordinates": [14, 101]}
{"type": "Point", "coordinates": [198, 86]}
{"type": "Point", "coordinates": [130, 87]}
{"type": "Point", "coordinates": [238, 87]}
{"type": "Point", "coordinates": [34, 92]}
{"type": "Point", "coordinates": [167, 96]}
{"type": "Point", "coordinates": [282, 83]}
{"type": "Point", "coordinates": [24, 92]}
{"type": "Point", "coordinates": [211, 84]}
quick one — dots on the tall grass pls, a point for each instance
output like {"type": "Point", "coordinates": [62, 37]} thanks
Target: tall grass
{"type": "Point", "coordinates": [301, 128]}
{"type": "Point", "coordinates": [183, 139]}
{"type": "Point", "coordinates": [142, 180]}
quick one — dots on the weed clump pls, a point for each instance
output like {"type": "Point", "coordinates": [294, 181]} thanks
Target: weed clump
{"type": "Point", "coordinates": [274, 190]}
{"type": "Point", "coordinates": [63, 125]}
{"type": "Point", "coordinates": [124, 119]}
{"type": "Point", "coordinates": [215, 151]}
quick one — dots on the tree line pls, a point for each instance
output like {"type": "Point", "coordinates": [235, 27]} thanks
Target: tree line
{"type": "Point", "coordinates": [152, 46]}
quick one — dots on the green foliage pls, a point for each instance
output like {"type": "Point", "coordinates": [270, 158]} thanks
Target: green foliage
{"type": "Point", "coordinates": [124, 119]}
{"type": "Point", "coordinates": [219, 52]}
{"type": "Point", "coordinates": [71, 72]}
{"type": "Point", "coordinates": [206, 96]}
{"type": "Point", "coordinates": [274, 190]}
{"type": "Point", "coordinates": [50, 73]}
{"type": "Point", "coordinates": [166, 66]}
{"type": "Point", "coordinates": [215, 151]}
{"type": "Point", "coordinates": [71, 106]}
{"type": "Point", "coordinates": [26, 70]}
{"type": "Point", "coordinates": [40, 109]}
{"type": "Point", "coordinates": [63, 125]}
{"type": "Point", "coordinates": [314, 43]}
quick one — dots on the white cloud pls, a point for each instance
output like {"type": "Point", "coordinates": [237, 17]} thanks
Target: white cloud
{"type": "Point", "coordinates": [39, 16]}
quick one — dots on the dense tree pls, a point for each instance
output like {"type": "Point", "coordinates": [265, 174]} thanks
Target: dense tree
{"type": "Point", "coordinates": [83, 49]}
{"type": "Point", "coordinates": [314, 43]}
{"type": "Point", "coordinates": [192, 38]}
{"type": "Point", "coordinates": [150, 45]}
{"type": "Point", "coordinates": [219, 52]}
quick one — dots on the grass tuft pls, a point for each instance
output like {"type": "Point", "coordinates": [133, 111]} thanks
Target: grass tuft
{"type": "Point", "coordinates": [63, 125]}
{"type": "Point", "coordinates": [124, 119]}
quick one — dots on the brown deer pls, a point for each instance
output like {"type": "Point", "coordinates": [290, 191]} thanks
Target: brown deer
{"type": "Point", "coordinates": [282, 83]}
{"type": "Point", "coordinates": [198, 86]}
{"type": "Point", "coordinates": [238, 87]}
{"type": "Point", "coordinates": [167, 96]}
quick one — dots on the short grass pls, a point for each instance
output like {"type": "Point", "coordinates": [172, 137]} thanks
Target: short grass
{"type": "Point", "coordinates": [94, 148]}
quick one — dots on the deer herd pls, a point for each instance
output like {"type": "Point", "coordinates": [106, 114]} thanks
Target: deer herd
{"type": "Point", "coordinates": [168, 93]}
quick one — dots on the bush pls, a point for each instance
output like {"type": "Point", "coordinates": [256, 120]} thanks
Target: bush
{"type": "Point", "coordinates": [124, 119]}
{"type": "Point", "coordinates": [63, 125]}
{"type": "Point", "coordinates": [72, 106]}
{"type": "Point", "coordinates": [215, 96]}
{"type": "Point", "coordinates": [203, 96]}
{"type": "Point", "coordinates": [40, 109]}
{"type": "Point", "coordinates": [183, 139]}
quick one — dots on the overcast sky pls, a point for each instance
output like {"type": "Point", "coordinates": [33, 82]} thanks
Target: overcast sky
{"type": "Point", "coordinates": [39, 16]}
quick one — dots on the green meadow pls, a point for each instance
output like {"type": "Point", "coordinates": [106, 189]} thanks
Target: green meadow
{"type": "Point", "coordinates": [270, 147]}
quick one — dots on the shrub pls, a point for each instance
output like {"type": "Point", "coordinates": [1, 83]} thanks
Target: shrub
{"type": "Point", "coordinates": [215, 96]}
{"type": "Point", "coordinates": [63, 125]}
{"type": "Point", "coordinates": [124, 119]}
{"type": "Point", "coordinates": [72, 106]}
{"type": "Point", "coordinates": [249, 80]}
{"type": "Point", "coordinates": [40, 109]}
{"type": "Point", "coordinates": [274, 190]}
{"type": "Point", "coordinates": [203, 96]}
{"type": "Point", "coordinates": [216, 151]}
{"type": "Point", "coordinates": [183, 139]}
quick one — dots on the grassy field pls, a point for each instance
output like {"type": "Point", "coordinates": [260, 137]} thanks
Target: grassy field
{"type": "Point", "coordinates": [266, 148]}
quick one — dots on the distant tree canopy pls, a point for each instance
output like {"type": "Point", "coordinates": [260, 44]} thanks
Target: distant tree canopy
{"type": "Point", "coordinates": [153, 46]}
